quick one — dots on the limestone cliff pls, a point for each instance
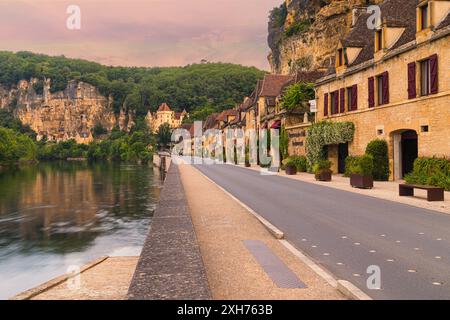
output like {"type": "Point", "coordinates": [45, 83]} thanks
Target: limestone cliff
{"type": "Point", "coordinates": [69, 114]}
{"type": "Point", "coordinates": [303, 34]}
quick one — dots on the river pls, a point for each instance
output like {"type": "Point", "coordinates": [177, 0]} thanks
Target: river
{"type": "Point", "coordinates": [62, 214]}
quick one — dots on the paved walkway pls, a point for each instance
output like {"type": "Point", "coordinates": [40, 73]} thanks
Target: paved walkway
{"type": "Point", "coordinates": [347, 232]}
{"type": "Point", "coordinates": [105, 279]}
{"type": "Point", "coordinates": [387, 190]}
{"type": "Point", "coordinates": [223, 228]}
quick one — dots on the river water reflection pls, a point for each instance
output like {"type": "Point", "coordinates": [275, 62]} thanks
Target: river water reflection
{"type": "Point", "coordinates": [60, 214]}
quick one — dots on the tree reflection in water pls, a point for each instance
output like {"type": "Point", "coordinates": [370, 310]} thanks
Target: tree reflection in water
{"type": "Point", "coordinates": [66, 209]}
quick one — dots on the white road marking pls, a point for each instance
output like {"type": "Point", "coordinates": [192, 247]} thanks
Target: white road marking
{"type": "Point", "coordinates": [344, 237]}
{"type": "Point", "coordinates": [417, 249]}
{"type": "Point", "coordinates": [412, 271]}
{"type": "Point", "coordinates": [437, 257]}
{"type": "Point", "coordinates": [326, 254]}
{"type": "Point", "coordinates": [390, 260]}
{"type": "Point", "coordinates": [357, 243]}
{"type": "Point", "coordinates": [356, 275]}
{"type": "Point", "coordinates": [437, 283]}
{"type": "Point", "coordinates": [372, 251]}
{"type": "Point", "coordinates": [340, 264]}
{"type": "Point", "coordinates": [398, 241]}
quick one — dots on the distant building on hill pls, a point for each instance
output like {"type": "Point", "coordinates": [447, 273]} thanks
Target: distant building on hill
{"type": "Point", "coordinates": [165, 115]}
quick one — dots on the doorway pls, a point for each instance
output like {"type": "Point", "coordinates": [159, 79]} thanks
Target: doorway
{"type": "Point", "coordinates": [410, 151]}
{"type": "Point", "coordinates": [342, 155]}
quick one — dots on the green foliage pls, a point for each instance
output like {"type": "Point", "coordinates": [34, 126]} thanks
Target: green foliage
{"type": "Point", "coordinates": [194, 86]}
{"type": "Point", "coordinates": [15, 147]}
{"type": "Point", "coordinates": [278, 16]}
{"type": "Point", "coordinates": [431, 171]}
{"type": "Point", "coordinates": [321, 165]}
{"type": "Point", "coordinates": [99, 130]}
{"type": "Point", "coordinates": [326, 133]}
{"type": "Point", "coordinates": [296, 95]}
{"type": "Point", "coordinates": [164, 136]}
{"type": "Point", "coordinates": [362, 165]}
{"type": "Point", "coordinates": [61, 150]}
{"type": "Point", "coordinates": [7, 120]}
{"type": "Point", "coordinates": [298, 27]}
{"type": "Point", "coordinates": [284, 143]}
{"type": "Point", "coordinates": [300, 162]}
{"type": "Point", "coordinates": [378, 149]}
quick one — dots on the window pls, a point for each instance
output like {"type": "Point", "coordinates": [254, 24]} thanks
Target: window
{"type": "Point", "coordinates": [340, 57]}
{"type": "Point", "coordinates": [379, 40]}
{"type": "Point", "coordinates": [333, 102]}
{"type": "Point", "coordinates": [425, 87]}
{"type": "Point", "coordinates": [349, 98]}
{"type": "Point", "coordinates": [380, 97]}
{"type": "Point", "coordinates": [424, 17]}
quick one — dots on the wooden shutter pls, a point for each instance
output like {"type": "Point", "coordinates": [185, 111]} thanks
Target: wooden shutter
{"type": "Point", "coordinates": [325, 104]}
{"type": "Point", "coordinates": [336, 102]}
{"type": "Point", "coordinates": [434, 74]}
{"type": "Point", "coordinates": [386, 88]}
{"type": "Point", "coordinates": [371, 92]}
{"type": "Point", "coordinates": [354, 102]}
{"type": "Point", "coordinates": [412, 91]}
{"type": "Point", "coordinates": [342, 100]}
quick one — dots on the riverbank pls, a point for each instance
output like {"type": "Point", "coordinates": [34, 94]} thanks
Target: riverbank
{"type": "Point", "coordinates": [106, 278]}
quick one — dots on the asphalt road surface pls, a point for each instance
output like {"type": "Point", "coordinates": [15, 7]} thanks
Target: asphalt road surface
{"type": "Point", "coordinates": [347, 232]}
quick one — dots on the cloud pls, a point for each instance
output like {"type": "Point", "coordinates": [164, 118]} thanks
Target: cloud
{"type": "Point", "coordinates": [143, 33]}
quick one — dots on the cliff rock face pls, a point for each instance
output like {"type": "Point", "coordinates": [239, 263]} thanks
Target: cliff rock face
{"type": "Point", "coordinates": [69, 114]}
{"type": "Point", "coordinates": [305, 33]}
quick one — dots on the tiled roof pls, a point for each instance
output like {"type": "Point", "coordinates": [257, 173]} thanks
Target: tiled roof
{"type": "Point", "coordinates": [395, 13]}
{"type": "Point", "coordinates": [164, 107]}
{"type": "Point", "coordinates": [273, 84]}
{"type": "Point", "coordinates": [211, 121]}
{"type": "Point", "coordinates": [226, 113]}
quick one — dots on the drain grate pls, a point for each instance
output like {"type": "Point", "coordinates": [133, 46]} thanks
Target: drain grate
{"type": "Point", "coordinates": [280, 274]}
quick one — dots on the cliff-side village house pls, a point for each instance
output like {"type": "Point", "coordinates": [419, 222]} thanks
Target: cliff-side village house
{"type": "Point", "coordinates": [391, 82]}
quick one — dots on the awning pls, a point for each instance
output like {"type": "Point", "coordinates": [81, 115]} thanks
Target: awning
{"type": "Point", "coordinates": [276, 125]}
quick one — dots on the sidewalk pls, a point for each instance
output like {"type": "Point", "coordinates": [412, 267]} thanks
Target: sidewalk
{"type": "Point", "coordinates": [384, 190]}
{"type": "Point", "coordinates": [107, 278]}
{"type": "Point", "coordinates": [221, 226]}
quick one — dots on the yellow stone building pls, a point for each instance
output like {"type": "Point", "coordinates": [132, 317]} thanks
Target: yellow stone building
{"type": "Point", "coordinates": [165, 115]}
{"type": "Point", "coordinates": [393, 83]}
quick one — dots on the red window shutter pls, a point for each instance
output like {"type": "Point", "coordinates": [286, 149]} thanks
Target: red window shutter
{"type": "Point", "coordinates": [386, 88]}
{"type": "Point", "coordinates": [412, 91]}
{"type": "Point", "coordinates": [336, 102]}
{"type": "Point", "coordinates": [354, 102]}
{"type": "Point", "coordinates": [342, 100]}
{"type": "Point", "coordinates": [434, 74]}
{"type": "Point", "coordinates": [371, 92]}
{"type": "Point", "coordinates": [325, 104]}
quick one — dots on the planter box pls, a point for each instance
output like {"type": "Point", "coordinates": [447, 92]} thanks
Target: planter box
{"type": "Point", "coordinates": [324, 175]}
{"type": "Point", "coordinates": [247, 164]}
{"type": "Point", "coordinates": [360, 181]}
{"type": "Point", "coordinates": [291, 170]}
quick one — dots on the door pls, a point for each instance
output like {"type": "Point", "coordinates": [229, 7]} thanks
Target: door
{"type": "Point", "coordinates": [342, 155]}
{"type": "Point", "coordinates": [410, 151]}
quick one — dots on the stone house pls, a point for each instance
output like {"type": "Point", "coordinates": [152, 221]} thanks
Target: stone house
{"type": "Point", "coordinates": [392, 83]}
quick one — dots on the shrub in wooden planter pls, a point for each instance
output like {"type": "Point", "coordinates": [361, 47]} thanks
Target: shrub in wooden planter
{"type": "Point", "coordinates": [322, 171]}
{"type": "Point", "coordinates": [290, 169]}
{"type": "Point", "coordinates": [360, 171]}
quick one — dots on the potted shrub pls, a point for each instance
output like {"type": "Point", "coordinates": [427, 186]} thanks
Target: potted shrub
{"type": "Point", "coordinates": [290, 167]}
{"type": "Point", "coordinates": [360, 171]}
{"type": "Point", "coordinates": [322, 170]}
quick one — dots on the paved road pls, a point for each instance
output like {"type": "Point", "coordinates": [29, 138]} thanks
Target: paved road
{"type": "Point", "coordinates": [347, 232]}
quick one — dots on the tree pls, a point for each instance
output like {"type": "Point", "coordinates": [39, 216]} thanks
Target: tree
{"type": "Point", "coordinates": [164, 136]}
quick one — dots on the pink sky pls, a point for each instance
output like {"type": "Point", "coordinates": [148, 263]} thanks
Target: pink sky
{"type": "Point", "coordinates": [141, 32]}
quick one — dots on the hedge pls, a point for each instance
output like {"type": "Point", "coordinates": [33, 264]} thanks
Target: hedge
{"type": "Point", "coordinates": [431, 171]}
{"type": "Point", "coordinates": [378, 149]}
